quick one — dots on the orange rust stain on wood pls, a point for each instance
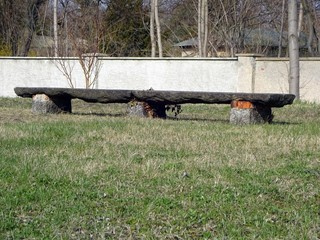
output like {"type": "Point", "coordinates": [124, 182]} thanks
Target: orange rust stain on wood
{"type": "Point", "coordinates": [241, 104]}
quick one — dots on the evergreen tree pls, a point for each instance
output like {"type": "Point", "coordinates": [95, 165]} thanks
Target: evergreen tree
{"type": "Point", "coordinates": [127, 30]}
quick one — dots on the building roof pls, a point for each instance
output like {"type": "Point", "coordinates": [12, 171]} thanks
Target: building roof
{"type": "Point", "coordinates": [269, 38]}
{"type": "Point", "coordinates": [192, 42]}
{"type": "Point", "coordinates": [253, 37]}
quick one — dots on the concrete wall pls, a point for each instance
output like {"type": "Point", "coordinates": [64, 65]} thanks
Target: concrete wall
{"type": "Point", "coordinates": [246, 73]}
{"type": "Point", "coordinates": [183, 74]}
{"type": "Point", "coordinates": [272, 76]}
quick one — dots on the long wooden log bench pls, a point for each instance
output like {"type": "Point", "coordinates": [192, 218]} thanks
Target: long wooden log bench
{"type": "Point", "coordinates": [245, 107]}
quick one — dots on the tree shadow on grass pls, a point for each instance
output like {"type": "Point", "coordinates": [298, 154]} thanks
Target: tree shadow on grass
{"type": "Point", "coordinates": [285, 123]}
{"type": "Point", "coordinates": [184, 118]}
{"type": "Point", "coordinates": [227, 120]}
{"type": "Point", "coordinates": [119, 115]}
{"type": "Point", "coordinates": [100, 114]}
{"type": "Point", "coordinates": [198, 119]}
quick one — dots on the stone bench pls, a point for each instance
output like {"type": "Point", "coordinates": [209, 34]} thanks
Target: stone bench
{"type": "Point", "coordinates": [245, 107]}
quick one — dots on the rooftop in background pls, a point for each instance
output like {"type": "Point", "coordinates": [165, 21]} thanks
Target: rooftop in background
{"type": "Point", "coordinates": [269, 37]}
{"type": "Point", "coordinates": [254, 37]}
{"type": "Point", "coordinates": [192, 42]}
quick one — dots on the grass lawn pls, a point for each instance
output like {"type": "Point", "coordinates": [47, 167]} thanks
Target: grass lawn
{"type": "Point", "coordinates": [97, 174]}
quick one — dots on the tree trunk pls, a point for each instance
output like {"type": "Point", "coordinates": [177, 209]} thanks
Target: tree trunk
{"type": "Point", "coordinates": [300, 19]}
{"type": "Point", "coordinates": [316, 23]}
{"type": "Point", "coordinates": [152, 36]}
{"type": "Point", "coordinates": [281, 29]}
{"type": "Point", "coordinates": [293, 48]}
{"type": "Point", "coordinates": [158, 27]}
{"type": "Point", "coordinates": [55, 27]}
{"type": "Point", "coordinates": [200, 28]}
{"type": "Point", "coordinates": [13, 32]}
{"type": "Point", "coordinates": [310, 24]}
{"type": "Point", "coordinates": [203, 27]}
{"type": "Point", "coordinates": [14, 43]}
{"type": "Point", "coordinates": [33, 16]}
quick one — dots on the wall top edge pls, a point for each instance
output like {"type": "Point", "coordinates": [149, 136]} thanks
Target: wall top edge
{"type": "Point", "coordinates": [249, 55]}
{"type": "Point", "coordinates": [285, 59]}
{"type": "Point", "coordinates": [274, 59]}
{"type": "Point", "coordinates": [125, 58]}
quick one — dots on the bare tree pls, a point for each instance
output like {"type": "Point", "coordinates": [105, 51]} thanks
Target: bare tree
{"type": "Point", "coordinates": [229, 20]}
{"type": "Point", "coordinates": [65, 66]}
{"type": "Point", "coordinates": [55, 27]}
{"type": "Point", "coordinates": [155, 24]}
{"type": "Point", "coordinates": [310, 22]}
{"type": "Point", "coordinates": [293, 48]}
{"type": "Point", "coordinates": [158, 27]}
{"type": "Point", "coordinates": [202, 27]}
{"type": "Point", "coordinates": [84, 38]}
{"type": "Point", "coordinates": [19, 20]}
{"type": "Point", "coordinates": [300, 18]}
{"type": "Point", "coordinates": [315, 13]}
{"type": "Point", "coordinates": [152, 21]}
{"type": "Point", "coordinates": [281, 28]}
{"type": "Point", "coordinates": [87, 50]}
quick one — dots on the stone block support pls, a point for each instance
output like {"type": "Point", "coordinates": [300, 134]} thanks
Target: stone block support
{"type": "Point", "coordinates": [244, 112]}
{"type": "Point", "coordinates": [41, 103]}
{"type": "Point", "coordinates": [147, 109]}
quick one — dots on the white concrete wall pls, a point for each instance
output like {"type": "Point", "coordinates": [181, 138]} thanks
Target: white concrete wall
{"type": "Point", "coordinates": [272, 76]}
{"type": "Point", "coordinates": [182, 74]}
{"type": "Point", "coordinates": [30, 72]}
{"type": "Point", "coordinates": [247, 73]}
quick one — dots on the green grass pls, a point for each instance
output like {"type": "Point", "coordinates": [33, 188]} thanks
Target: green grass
{"type": "Point", "coordinates": [97, 174]}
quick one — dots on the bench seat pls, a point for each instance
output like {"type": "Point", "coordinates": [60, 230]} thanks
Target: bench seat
{"type": "Point", "coordinates": [60, 98]}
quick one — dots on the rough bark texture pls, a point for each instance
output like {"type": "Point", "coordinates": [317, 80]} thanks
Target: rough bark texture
{"type": "Point", "coordinates": [55, 27]}
{"type": "Point", "coordinates": [158, 97]}
{"type": "Point", "coordinates": [247, 108]}
{"type": "Point", "coordinates": [158, 27]}
{"type": "Point", "coordinates": [202, 27]}
{"type": "Point", "coordinates": [152, 35]}
{"type": "Point", "coordinates": [294, 81]}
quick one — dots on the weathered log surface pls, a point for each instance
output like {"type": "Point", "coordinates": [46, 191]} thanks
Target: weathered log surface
{"type": "Point", "coordinates": [88, 95]}
{"type": "Point", "coordinates": [161, 97]}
